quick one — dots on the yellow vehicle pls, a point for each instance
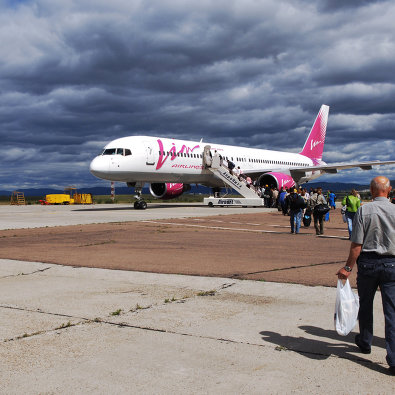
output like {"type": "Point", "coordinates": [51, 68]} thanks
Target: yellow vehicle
{"type": "Point", "coordinates": [69, 197]}
{"type": "Point", "coordinates": [59, 198]}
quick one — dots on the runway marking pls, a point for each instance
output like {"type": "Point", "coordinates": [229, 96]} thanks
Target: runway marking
{"type": "Point", "coordinates": [230, 222]}
{"type": "Point", "coordinates": [213, 227]}
{"type": "Point", "coordinates": [238, 229]}
{"type": "Point", "coordinates": [246, 223]}
{"type": "Point", "coordinates": [333, 237]}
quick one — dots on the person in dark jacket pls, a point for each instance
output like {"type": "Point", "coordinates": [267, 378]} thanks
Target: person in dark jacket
{"type": "Point", "coordinates": [316, 199]}
{"type": "Point", "coordinates": [296, 205]}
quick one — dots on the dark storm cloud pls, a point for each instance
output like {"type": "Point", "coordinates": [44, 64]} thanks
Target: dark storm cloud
{"type": "Point", "coordinates": [339, 5]}
{"type": "Point", "coordinates": [77, 74]}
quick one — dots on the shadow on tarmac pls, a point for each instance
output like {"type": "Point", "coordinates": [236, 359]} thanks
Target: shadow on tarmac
{"type": "Point", "coordinates": [150, 207]}
{"type": "Point", "coordinates": [321, 350]}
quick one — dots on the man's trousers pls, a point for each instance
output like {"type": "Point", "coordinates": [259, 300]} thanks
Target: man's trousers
{"type": "Point", "coordinates": [376, 271]}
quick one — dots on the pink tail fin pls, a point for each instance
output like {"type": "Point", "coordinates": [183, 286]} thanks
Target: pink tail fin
{"type": "Point", "coordinates": [314, 145]}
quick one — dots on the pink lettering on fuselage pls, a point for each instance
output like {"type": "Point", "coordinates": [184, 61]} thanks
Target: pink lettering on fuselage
{"type": "Point", "coordinates": [172, 153]}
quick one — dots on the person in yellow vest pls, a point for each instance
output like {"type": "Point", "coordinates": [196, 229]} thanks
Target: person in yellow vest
{"type": "Point", "coordinates": [353, 203]}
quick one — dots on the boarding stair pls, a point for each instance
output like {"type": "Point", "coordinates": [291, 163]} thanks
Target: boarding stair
{"type": "Point", "coordinates": [232, 181]}
{"type": "Point", "coordinates": [213, 164]}
{"type": "Point", "coordinates": [18, 198]}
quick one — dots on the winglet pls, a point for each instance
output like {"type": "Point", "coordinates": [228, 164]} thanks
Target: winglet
{"type": "Point", "coordinates": [314, 145]}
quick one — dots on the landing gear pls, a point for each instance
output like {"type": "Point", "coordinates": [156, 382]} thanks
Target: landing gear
{"type": "Point", "coordinates": [139, 204]}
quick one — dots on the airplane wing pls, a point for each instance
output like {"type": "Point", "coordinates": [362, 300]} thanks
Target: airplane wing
{"type": "Point", "coordinates": [334, 167]}
{"type": "Point", "coordinates": [298, 173]}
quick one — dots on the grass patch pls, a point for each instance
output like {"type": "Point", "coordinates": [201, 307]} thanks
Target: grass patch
{"type": "Point", "coordinates": [116, 312]}
{"type": "Point", "coordinates": [207, 293]}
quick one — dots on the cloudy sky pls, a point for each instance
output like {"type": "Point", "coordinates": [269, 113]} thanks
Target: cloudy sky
{"type": "Point", "coordinates": [75, 74]}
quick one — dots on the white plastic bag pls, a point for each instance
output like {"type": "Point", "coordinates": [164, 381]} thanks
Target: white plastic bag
{"type": "Point", "coordinates": [343, 212]}
{"type": "Point", "coordinates": [346, 308]}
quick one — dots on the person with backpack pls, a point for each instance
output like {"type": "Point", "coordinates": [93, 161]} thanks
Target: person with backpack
{"type": "Point", "coordinates": [316, 200]}
{"type": "Point", "coordinates": [352, 203]}
{"type": "Point", "coordinates": [296, 205]}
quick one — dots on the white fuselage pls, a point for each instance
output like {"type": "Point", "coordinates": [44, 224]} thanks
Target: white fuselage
{"type": "Point", "coordinates": [156, 159]}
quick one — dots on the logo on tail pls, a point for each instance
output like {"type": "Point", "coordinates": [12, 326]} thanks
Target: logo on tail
{"type": "Point", "coordinates": [314, 145]}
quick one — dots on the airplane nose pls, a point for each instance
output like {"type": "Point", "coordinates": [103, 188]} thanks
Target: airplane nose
{"type": "Point", "coordinates": [99, 167]}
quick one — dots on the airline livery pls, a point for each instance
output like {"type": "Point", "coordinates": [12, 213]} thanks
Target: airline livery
{"type": "Point", "coordinates": [170, 165]}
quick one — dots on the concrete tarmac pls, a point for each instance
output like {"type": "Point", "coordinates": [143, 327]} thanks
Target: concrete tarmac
{"type": "Point", "coordinates": [85, 330]}
{"type": "Point", "coordinates": [36, 216]}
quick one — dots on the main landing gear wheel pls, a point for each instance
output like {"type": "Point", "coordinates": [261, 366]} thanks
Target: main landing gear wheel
{"type": "Point", "coordinates": [140, 205]}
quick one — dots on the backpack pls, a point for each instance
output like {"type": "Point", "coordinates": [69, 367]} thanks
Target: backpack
{"type": "Point", "coordinates": [296, 202]}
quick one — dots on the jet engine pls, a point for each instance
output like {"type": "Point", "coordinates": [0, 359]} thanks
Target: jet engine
{"type": "Point", "coordinates": [168, 191]}
{"type": "Point", "coordinates": [278, 180]}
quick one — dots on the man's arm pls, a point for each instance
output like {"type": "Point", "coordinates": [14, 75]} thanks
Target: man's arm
{"type": "Point", "coordinates": [355, 250]}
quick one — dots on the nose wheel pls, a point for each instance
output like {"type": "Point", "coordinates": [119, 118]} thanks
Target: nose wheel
{"type": "Point", "coordinates": [140, 205]}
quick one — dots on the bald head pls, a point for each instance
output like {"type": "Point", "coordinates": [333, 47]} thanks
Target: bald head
{"type": "Point", "coordinates": [380, 186]}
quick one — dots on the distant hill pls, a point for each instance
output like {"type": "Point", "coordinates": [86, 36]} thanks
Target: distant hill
{"type": "Point", "coordinates": [41, 192]}
{"type": "Point", "coordinates": [340, 186]}
{"type": "Point", "coordinates": [335, 186]}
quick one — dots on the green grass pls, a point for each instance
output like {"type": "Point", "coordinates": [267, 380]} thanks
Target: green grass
{"type": "Point", "coordinates": [116, 312]}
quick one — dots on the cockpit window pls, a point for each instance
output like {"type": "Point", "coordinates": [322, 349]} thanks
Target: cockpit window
{"type": "Point", "coordinates": [117, 151]}
{"type": "Point", "coordinates": [109, 151]}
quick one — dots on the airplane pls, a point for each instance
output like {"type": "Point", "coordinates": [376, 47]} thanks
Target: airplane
{"type": "Point", "coordinates": [171, 165]}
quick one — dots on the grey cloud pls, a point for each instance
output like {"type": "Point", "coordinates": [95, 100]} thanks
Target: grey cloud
{"type": "Point", "coordinates": [340, 5]}
{"type": "Point", "coordinates": [76, 75]}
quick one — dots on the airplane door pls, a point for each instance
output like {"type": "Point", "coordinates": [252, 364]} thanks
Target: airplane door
{"type": "Point", "coordinates": [149, 152]}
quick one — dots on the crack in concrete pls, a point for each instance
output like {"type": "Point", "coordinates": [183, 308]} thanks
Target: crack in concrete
{"type": "Point", "coordinates": [231, 341]}
{"type": "Point", "coordinates": [26, 274]}
{"type": "Point", "coordinates": [42, 312]}
{"type": "Point", "coordinates": [86, 321]}
{"type": "Point", "coordinates": [226, 285]}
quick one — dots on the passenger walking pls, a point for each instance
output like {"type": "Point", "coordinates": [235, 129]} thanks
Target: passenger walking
{"type": "Point", "coordinates": [315, 200]}
{"type": "Point", "coordinates": [296, 204]}
{"type": "Point", "coordinates": [267, 195]}
{"type": "Point", "coordinates": [353, 203]}
{"type": "Point", "coordinates": [216, 160]}
{"type": "Point", "coordinates": [373, 250]}
{"type": "Point", "coordinates": [305, 196]}
{"type": "Point", "coordinates": [275, 197]}
{"type": "Point", "coordinates": [231, 166]}
{"type": "Point", "coordinates": [332, 200]}
{"type": "Point", "coordinates": [281, 200]}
